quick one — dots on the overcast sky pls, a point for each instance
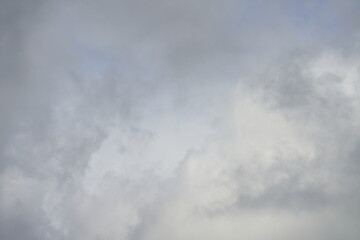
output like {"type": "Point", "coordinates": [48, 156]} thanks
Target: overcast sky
{"type": "Point", "coordinates": [179, 119]}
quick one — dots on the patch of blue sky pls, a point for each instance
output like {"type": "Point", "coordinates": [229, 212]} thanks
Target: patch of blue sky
{"type": "Point", "coordinates": [305, 13]}
{"type": "Point", "coordinates": [324, 16]}
{"type": "Point", "coordinates": [94, 62]}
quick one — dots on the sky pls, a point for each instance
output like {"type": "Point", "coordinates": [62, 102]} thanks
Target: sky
{"type": "Point", "coordinates": [179, 119]}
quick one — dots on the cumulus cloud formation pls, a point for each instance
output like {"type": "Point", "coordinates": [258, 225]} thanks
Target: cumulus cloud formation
{"type": "Point", "coordinates": [135, 120]}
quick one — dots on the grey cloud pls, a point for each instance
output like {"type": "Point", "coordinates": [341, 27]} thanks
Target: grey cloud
{"type": "Point", "coordinates": [129, 119]}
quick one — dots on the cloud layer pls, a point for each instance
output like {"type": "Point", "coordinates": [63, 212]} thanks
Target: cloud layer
{"type": "Point", "coordinates": [179, 120]}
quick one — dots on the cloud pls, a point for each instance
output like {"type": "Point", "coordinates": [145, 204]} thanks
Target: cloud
{"type": "Point", "coordinates": [179, 120]}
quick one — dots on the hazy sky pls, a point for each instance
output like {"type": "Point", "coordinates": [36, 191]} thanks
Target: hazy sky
{"type": "Point", "coordinates": [179, 120]}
